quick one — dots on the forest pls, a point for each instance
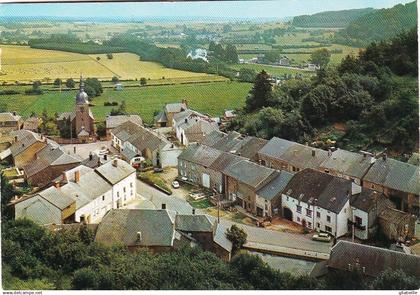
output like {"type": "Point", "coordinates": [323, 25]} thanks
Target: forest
{"type": "Point", "coordinates": [370, 95]}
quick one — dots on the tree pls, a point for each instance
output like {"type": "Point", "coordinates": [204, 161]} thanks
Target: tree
{"type": "Point", "coordinates": [115, 79]}
{"type": "Point", "coordinates": [70, 83]}
{"type": "Point", "coordinates": [109, 56]}
{"type": "Point", "coordinates": [101, 129]}
{"type": "Point", "coordinates": [237, 236]}
{"type": "Point", "coordinates": [345, 280]}
{"type": "Point", "coordinates": [231, 55]}
{"type": "Point", "coordinates": [93, 87]}
{"type": "Point", "coordinates": [260, 93]}
{"type": "Point", "coordinates": [247, 75]}
{"type": "Point", "coordinates": [85, 279]}
{"type": "Point", "coordinates": [395, 280]}
{"type": "Point", "coordinates": [57, 82]}
{"type": "Point", "coordinates": [321, 57]}
{"type": "Point", "coordinates": [143, 81]}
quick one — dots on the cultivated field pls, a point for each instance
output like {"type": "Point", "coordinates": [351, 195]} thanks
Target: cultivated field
{"type": "Point", "coordinates": [211, 98]}
{"type": "Point", "coordinates": [25, 64]}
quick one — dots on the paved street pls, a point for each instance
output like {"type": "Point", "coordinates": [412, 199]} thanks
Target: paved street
{"type": "Point", "coordinates": [256, 235]}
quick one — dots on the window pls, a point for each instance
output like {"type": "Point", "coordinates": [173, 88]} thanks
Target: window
{"type": "Point", "coordinates": [358, 220]}
{"type": "Point", "coordinates": [124, 189]}
{"type": "Point", "coordinates": [328, 218]}
{"type": "Point", "coordinates": [131, 184]}
{"type": "Point", "coordinates": [287, 198]}
{"type": "Point", "coordinates": [309, 225]}
{"type": "Point", "coordinates": [298, 209]}
{"type": "Point", "coordinates": [298, 219]}
{"type": "Point", "coordinates": [328, 229]}
{"type": "Point", "coordinates": [318, 214]}
{"type": "Point", "coordinates": [103, 198]}
{"type": "Point", "coordinates": [118, 195]}
{"type": "Point", "coordinates": [317, 225]}
{"type": "Point", "coordinates": [308, 212]}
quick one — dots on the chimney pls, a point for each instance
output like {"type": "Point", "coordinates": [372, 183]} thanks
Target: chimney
{"type": "Point", "coordinates": [186, 120]}
{"type": "Point", "coordinates": [184, 101]}
{"type": "Point", "coordinates": [14, 113]}
{"type": "Point", "coordinates": [193, 211]}
{"type": "Point", "coordinates": [90, 156]}
{"type": "Point", "coordinates": [56, 184]}
{"type": "Point", "coordinates": [74, 149]}
{"type": "Point", "coordinates": [76, 176]}
{"type": "Point", "coordinates": [313, 152]}
{"type": "Point", "coordinates": [64, 177]}
{"type": "Point", "coordinates": [16, 138]}
{"type": "Point", "coordinates": [138, 239]}
{"type": "Point", "coordinates": [115, 162]}
{"type": "Point", "coordinates": [106, 157]}
{"type": "Point", "coordinates": [163, 206]}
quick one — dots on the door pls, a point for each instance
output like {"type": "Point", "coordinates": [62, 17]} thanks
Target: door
{"type": "Point", "coordinates": [206, 180]}
{"type": "Point", "coordinates": [287, 214]}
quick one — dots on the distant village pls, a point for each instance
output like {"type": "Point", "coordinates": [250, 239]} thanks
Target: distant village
{"type": "Point", "coordinates": [347, 199]}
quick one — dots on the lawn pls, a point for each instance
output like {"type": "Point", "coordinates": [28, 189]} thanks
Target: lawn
{"type": "Point", "coordinates": [25, 64]}
{"type": "Point", "coordinates": [211, 98]}
{"type": "Point", "coordinates": [272, 70]}
{"type": "Point", "coordinates": [201, 204]}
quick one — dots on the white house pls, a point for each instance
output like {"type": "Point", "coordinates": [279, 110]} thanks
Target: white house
{"type": "Point", "coordinates": [198, 53]}
{"type": "Point", "coordinates": [319, 201]}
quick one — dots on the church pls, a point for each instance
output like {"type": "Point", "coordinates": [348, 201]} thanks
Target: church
{"type": "Point", "coordinates": [80, 120]}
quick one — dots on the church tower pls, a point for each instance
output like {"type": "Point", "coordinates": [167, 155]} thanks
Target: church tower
{"type": "Point", "coordinates": [84, 126]}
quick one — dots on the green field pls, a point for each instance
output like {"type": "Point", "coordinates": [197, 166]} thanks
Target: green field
{"type": "Point", "coordinates": [25, 64]}
{"type": "Point", "coordinates": [210, 98]}
{"type": "Point", "coordinates": [272, 70]}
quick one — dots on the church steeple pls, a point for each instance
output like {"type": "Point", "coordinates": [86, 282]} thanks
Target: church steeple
{"type": "Point", "coordinates": [81, 96]}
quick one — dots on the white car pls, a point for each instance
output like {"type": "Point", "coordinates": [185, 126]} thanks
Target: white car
{"type": "Point", "coordinates": [175, 184]}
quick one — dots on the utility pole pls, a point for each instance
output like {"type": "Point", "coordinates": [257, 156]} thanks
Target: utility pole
{"type": "Point", "coordinates": [218, 205]}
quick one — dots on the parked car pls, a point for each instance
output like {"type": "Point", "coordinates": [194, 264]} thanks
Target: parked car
{"type": "Point", "coordinates": [322, 237]}
{"type": "Point", "coordinates": [175, 184]}
{"type": "Point", "coordinates": [157, 170]}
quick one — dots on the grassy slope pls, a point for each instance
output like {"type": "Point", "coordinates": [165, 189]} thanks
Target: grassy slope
{"type": "Point", "coordinates": [210, 98]}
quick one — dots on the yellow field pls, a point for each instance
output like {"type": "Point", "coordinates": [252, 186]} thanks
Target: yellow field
{"type": "Point", "coordinates": [25, 64]}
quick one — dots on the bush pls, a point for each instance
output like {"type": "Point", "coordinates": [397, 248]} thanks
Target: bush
{"type": "Point", "coordinates": [34, 91]}
{"type": "Point", "coordinates": [8, 92]}
{"type": "Point", "coordinates": [237, 236]}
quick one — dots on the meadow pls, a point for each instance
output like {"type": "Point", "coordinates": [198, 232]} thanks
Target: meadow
{"type": "Point", "coordinates": [25, 64]}
{"type": "Point", "coordinates": [209, 98]}
{"type": "Point", "coordinates": [272, 70]}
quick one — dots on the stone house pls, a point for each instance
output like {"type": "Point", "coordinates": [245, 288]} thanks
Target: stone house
{"type": "Point", "coordinates": [32, 124]}
{"type": "Point", "coordinates": [10, 122]}
{"type": "Point", "coordinates": [243, 180]}
{"type": "Point", "coordinates": [287, 155]}
{"type": "Point", "coordinates": [165, 117]}
{"type": "Point", "coordinates": [399, 181]}
{"type": "Point", "coordinates": [348, 165]}
{"type": "Point", "coordinates": [25, 147]}
{"type": "Point", "coordinates": [112, 122]}
{"type": "Point", "coordinates": [397, 225]}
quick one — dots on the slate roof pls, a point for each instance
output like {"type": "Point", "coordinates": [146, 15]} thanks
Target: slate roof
{"type": "Point", "coordinates": [365, 199]}
{"type": "Point", "coordinates": [249, 173]}
{"type": "Point", "coordinates": [348, 163]}
{"type": "Point", "coordinates": [225, 160]}
{"type": "Point", "coordinates": [194, 223]}
{"type": "Point", "coordinates": [120, 226]}
{"type": "Point", "coordinates": [276, 186]}
{"type": "Point", "coordinates": [26, 139]}
{"type": "Point", "coordinates": [56, 197]}
{"type": "Point", "coordinates": [395, 175]}
{"type": "Point", "coordinates": [296, 154]}
{"type": "Point", "coordinates": [200, 155]}
{"type": "Point", "coordinates": [67, 115]}
{"type": "Point", "coordinates": [213, 137]}
{"type": "Point", "coordinates": [161, 117]}
{"type": "Point", "coordinates": [49, 156]}
{"type": "Point", "coordinates": [115, 173]}
{"type": "Point", "coordinates": [321, 189]}
{"type": "Point", "coordinates": [373, 259]}
{"type": "Point", "coordinates": [195, 130]}
{"type": "Point", "coordinates": [251, 146]}
{"type": "Point", "coordinates": [221, 239]}
{"type": "Point", "coordinates": [115, 121]}
{"type": "Point", "coordinates": [175, 107]}
{"type": "Point", "coordinates": [31, 123]}
{"type": "Point", "coordinates": [180, 117]}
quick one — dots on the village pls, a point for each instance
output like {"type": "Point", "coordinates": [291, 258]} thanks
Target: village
{"type": "Point", "coordinates": [185, 181]}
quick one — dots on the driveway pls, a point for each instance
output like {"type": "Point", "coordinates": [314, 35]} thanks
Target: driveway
{"type": "Point", "coordinates": [256, 235]}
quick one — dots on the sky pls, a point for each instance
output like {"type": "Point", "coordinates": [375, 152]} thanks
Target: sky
{"type": "Point", "coordinates": [224, 9]}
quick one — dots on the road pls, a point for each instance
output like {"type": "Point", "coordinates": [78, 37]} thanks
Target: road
{"type": "Point", "coordinates": [256, 235]}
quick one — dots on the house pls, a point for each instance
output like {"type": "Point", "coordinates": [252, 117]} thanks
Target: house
{"type": "Point", "coordinates": [217, 178]}
{"type": "Point", "coordinates": [287, 155]}
{"type": "Point", "coordinates": [243, 181]}
{"type": "Point", "coordinates": [191, 126]}
{"type": "Point", "coordinates": [93, 191]}
{"type": "Point", "coordinates": [399, 181]}
{"type": "Point", "coordinates": [134, 141]}
{"type": "Point", "coordinates": [198, 53]}
{"type": "Point", "coordinates": [194, 163]}
{"type": "Point", "coordinates": [349, 165]}
{"type": "Point", "coordinates": [250, 147]}
{"type": "Point", "coordinates": [115, 121]}
{"type": "Point", "coordinates": [284, 61]}
{"type": "Point", "coordinates": [49, 206]}
{"type": "Point", "coordinates": [10, 122]}
{"type": "Point", "coordinates": [228, 115]}
{"type": "Point", "coordinates": [49, 163]}
{"type": "Point", "coordinates": [162, 231]}
{"type": "Point", "coordinates": [366, 207]}
{"type": "Point", "coordinates": [141, 229]}
{"type": "Point", "coordinates": [269, 197]}
{"type": "Point", "coordinates": [312, 67]}
{"type": "Point", "coordinates": [80, 121]}
{"type": "Point", "coordinates": [32, 124]}
{"type": "Point", "coordinates": [319, 201]}
{"type": "Point", "coordinates": [224, 142]}
{"type": "Point", "coordinates": [397, 225]}
{"type": "Point", "coordinates": [25, 147]}
{"type": "Point", "coordinates": [371, 261]}
{"type": "Point", "coordinates": [118, 86]}
{"type": "Point", "coordinates": [165, 117]}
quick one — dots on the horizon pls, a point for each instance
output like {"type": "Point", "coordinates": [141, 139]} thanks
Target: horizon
{"type": "Point", "coordinates": [212, 10]}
